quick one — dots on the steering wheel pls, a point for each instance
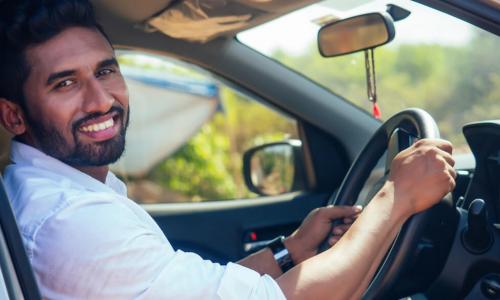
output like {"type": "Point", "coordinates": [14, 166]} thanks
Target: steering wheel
{"type": "Point", "coordinates": [396, 134]}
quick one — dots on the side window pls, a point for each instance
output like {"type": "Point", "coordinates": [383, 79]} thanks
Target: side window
{"type": "Point", "coordinates": [188, 132]}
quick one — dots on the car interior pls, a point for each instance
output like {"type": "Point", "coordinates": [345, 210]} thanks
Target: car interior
{"type": "Point", "coordinates": [341, 155]}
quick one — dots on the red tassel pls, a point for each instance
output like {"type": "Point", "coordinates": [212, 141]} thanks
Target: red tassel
{"type": "Point", "coordinates": [376, 111]}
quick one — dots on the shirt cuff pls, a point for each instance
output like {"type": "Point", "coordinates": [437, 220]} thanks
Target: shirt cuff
{"type": "Point", "coordinates": [239, 283]}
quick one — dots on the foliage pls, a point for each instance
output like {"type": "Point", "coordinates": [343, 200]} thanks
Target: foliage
{"type": "Point", "coordinates": [209, 165]}
{"type": "Point", "coordinates": [198, 169]}
{"type": "Point", "coordinates": [456, 85]}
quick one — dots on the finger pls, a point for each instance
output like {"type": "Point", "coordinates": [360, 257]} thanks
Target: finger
{"type": "Point", "coordinates": [333, 240]}
{"type": "Point", "coordinates": [439, 143]}
{"type": "Point", "coordinates": [451, 180]}
{"type": "Point", "coordinates": [340, 229]}
{"type": "Point", "coordinates": [444, 145]}
{"type": "Point", "coordinates": [341, 211]}
{"type": "Point", "coordinates": [351, 219]}
{"type": "Point", "coordinates": [452, 172]}
{"type": "Point", "coordinates": [446, 156]}
{"type": "Point", "coordinates": [348, 220]}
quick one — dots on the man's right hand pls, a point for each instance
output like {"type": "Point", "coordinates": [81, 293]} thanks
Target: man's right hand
{"type": "Point", "coordinates": [422, 175]}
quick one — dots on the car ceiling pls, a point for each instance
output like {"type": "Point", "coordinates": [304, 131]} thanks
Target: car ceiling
{"type": "Point", "coordinates": [205, 20]}
{"type": "Point", "coordinates": [199, 20]}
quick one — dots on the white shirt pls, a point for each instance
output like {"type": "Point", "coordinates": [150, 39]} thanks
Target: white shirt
{"type": "Point", "coordinates": [87, 240]}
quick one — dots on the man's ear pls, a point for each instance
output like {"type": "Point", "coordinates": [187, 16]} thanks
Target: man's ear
{"type": "Point", "coordinates": [12, 117]}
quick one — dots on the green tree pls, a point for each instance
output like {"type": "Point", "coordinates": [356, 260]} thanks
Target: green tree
{"type": "Point", "coordinates": [209, 165]}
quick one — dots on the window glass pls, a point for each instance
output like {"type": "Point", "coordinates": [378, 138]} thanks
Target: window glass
{"type": "Point", "coordinates": [436, 62]}
{"type": "Point", "coordinates": [3, 287]}
{"type": "Point", "coordinates": [188, 132]}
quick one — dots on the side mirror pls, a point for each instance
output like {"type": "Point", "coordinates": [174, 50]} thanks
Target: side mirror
{"type": "Point", "coordinates": [275, 168]}
{"type": "Point", "coordinates": [355, 34]}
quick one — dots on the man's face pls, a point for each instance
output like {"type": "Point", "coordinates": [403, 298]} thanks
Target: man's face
{"type": "Point", "coordinates": [76, 99]}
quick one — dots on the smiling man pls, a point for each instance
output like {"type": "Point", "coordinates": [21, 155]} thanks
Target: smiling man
{"type": "Point", "coordinates": [81, 113]}
{"type": "Point", "coordinates": [64, 99]}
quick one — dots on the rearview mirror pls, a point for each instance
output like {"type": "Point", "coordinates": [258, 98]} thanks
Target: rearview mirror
{"type": "Point", "coordinates": [274, 168]}
{"type": "Point", "coordinates": [355, 34]}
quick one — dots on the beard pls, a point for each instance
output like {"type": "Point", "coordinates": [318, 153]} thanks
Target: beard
{"type": "Point", "coordinates": [77, 153]}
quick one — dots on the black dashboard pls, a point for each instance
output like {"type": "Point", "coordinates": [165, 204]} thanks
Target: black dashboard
{"type": "Point", "coordinates": [484, 141]}
{"type": "Point", "coordinates": [472, 267]}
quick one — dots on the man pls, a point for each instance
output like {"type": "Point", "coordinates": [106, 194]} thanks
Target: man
{"type": "Point", "coordinates": [63, 98]}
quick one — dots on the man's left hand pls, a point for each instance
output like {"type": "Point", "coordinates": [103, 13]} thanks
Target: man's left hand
{"type": "Point", "coordinates": [304, 242]}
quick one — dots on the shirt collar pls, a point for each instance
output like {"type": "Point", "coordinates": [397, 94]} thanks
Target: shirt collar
{"type": "Point", "coordinates": [25, 155]}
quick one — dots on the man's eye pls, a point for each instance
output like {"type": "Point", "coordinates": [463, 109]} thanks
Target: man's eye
{"type": "Point", "coordinates": [104, 72]}
{"type": "Point", "coordinates": [64, 83]}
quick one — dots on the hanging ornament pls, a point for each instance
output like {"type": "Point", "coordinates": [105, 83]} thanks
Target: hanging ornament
{"type": "Point", "coordinates": [376, 111]}
{"type": "Point", "coordinates": [371, 83]}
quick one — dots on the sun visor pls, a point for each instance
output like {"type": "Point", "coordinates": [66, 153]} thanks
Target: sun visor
{"type": "Point", "coordinates": [204, 20]}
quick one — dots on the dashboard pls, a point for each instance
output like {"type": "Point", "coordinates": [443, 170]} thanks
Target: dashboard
{"type": "Point", "coordinates": [484, 141]}
{"type": "Point", "coordinates": [458, 255]}
{"type": "Point", "coordinates": [472, 266]}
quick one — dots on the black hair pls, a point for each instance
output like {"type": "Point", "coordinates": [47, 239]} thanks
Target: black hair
{"type": "Point", "coordinates": [27, 23]}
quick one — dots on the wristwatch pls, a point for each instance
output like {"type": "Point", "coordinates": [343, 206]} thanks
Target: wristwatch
{"type": "Point", "coordinates": [281, 254]}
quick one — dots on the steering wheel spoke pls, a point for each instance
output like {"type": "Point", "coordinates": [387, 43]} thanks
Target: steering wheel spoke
{"type": "Point", "coordinates": [399, 140]}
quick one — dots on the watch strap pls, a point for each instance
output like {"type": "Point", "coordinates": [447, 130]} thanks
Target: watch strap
{"type": "Point", "coordinates": [281, 254]}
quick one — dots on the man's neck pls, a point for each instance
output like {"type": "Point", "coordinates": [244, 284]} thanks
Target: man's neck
{"type": "Point", "coordinates": [99, 173]}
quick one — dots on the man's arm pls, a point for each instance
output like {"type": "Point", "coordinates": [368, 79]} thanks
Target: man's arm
{"type": "Point", "coordinates": [420, 177]}
{"type": "Point", "coordinates": [263, 262]}
{"type": "Point", "coordinates": [342, 272]}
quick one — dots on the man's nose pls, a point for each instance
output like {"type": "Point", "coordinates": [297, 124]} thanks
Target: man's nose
{"type": "Point", "coordinates": [96, 97]}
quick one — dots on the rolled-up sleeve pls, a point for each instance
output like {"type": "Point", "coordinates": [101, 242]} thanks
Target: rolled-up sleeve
{"type": "Point", "coordinates": [188, 276]}
{"type": "Point", "coordinates": [239, 282]}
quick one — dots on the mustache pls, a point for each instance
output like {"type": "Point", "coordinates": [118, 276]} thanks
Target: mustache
{"type": "Point", "coordinates": [94, 115]}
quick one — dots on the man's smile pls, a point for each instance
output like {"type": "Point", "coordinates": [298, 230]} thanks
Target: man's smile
{"type": "Point", "coordinates": [101, 128]}
{"type": "Point", "coordinates": [98, 126]}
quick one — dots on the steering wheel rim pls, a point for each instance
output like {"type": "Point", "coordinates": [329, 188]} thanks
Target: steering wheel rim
{"type": "Point", "coordinates": [419, 124]}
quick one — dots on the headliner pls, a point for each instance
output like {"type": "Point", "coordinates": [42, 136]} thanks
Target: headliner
{"type": "Point", "coordinates": [199, 20]}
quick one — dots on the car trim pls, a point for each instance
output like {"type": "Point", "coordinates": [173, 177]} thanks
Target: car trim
{"type": "Point", "coordinates": [14, 258]}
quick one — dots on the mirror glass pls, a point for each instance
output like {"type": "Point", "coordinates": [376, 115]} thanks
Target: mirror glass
{"type": "Point", "coordinates": [355, 34]}
{"type": "Point", "coordinates": [272, 169]}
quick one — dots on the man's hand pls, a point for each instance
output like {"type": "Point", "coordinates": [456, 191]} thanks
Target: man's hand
{"type": "Point", "coordinates": [304, 242]}
{"type": "Point", "coordinates": [422, 175]}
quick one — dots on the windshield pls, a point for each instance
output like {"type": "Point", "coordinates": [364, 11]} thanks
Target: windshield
{"type": "Point", "coordinates": [436, 62]}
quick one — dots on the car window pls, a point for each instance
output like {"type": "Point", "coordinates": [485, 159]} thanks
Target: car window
{"type": "Point", "coordinates": [3, 287]}
{"type": "Point", "coordinates": [188, 132]}
{"type": "Point", "coordinates": [8, 280]}
{"type": "Point", "coordinates": [436, 62]}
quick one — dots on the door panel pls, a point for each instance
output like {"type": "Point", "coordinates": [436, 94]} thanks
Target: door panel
{"type": "Point", "coordinates": [219, 230]}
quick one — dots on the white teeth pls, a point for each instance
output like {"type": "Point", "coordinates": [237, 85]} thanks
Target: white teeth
{"type": "Point", "coordinates": [98, 127]}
